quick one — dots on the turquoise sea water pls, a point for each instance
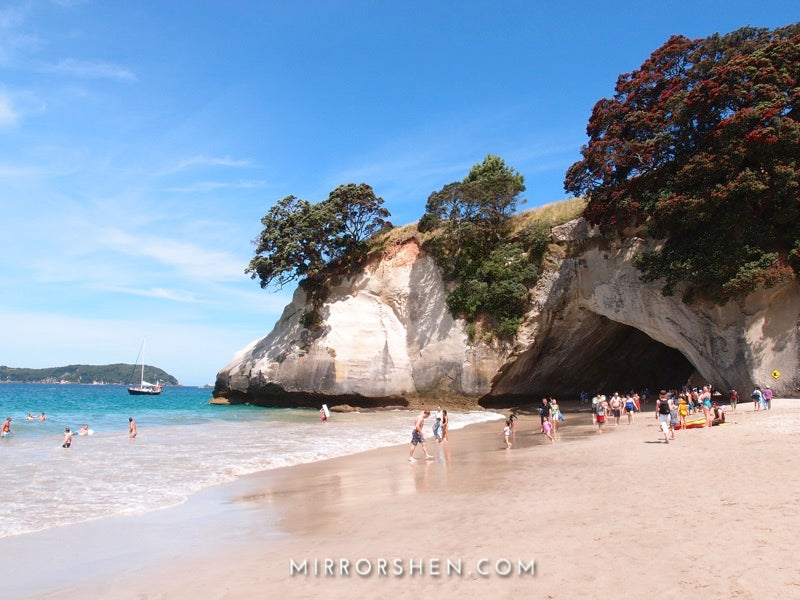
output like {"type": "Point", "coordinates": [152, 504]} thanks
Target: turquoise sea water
{"type": "Point", "coordinates": [184, 445]}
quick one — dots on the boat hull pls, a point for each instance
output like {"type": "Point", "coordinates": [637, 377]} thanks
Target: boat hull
{"type": "Point", "coordinates": [144, 391]}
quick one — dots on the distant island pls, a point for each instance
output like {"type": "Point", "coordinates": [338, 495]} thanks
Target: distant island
{"type": "Point", "coordinates": [116, 374]}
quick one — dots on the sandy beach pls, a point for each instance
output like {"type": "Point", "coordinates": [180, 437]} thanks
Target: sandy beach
{"type": "Point", "coordinates": [711, 515]}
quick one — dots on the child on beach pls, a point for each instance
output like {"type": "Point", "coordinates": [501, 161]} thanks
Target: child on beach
{"type": "Point", "coordinates": [507, 433]}
{"type": "Point", "coordinates": [437, 430]}
{"type": "Point", "coordinates": [547, 429]}
{"type": "Point", "coordinates": [67, 438]}
{"type": "Point", "coordinates": [683, 410]}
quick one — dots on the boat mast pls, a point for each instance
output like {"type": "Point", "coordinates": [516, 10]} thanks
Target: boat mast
{"type": "Point", "coordinates": [141, 381]}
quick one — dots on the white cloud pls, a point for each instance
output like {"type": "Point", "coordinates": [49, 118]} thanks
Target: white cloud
{"type": "Point", "coordinates": [209, 161]}
{"type": "Point", "coordinates": [157, 293]}
{"type": "Point", "coordinates": [8, 115]}
{"type": "Point", "coordinates": [14, 172]}
{"type": "Point", "coordinates": [211, 186]}
{"type": "Point", "coordinates": [89, 69]}
{"type": "Point", "coordinates": [188, 259]}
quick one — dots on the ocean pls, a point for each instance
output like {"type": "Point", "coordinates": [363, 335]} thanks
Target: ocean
{"type": "Point", "coordinates": [184, 445]}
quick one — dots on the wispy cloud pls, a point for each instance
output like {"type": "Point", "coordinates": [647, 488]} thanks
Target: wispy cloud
{"type": "Point", "coordinates": [207, 161]}
{"type": "Point", "coordinates": [8, 115]}
{"type": "Point", "coordinates": [211, 186]}
{"type": "Point", "coordinates": [187, 259]}
{"type": "Point", "coordinates": [89, 69]}
{"type": "Point", "coordinates": [157, 293]}
{"type": "Point", "coordinates": [16, 172]}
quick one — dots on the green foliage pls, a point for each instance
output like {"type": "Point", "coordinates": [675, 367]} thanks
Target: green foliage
{"type": "Point", "coordinates": [534, 238]}
{"type": "Point", "coordinates": [487, 197]}
{"type": "Point", "coordinates": [300, 239]}
{"type": "Point", "coordinates": [472, 219]}
{"type": "Point", "coordinates": [702, 145]}
{"type": "Point", "coordinates": [119, 373]}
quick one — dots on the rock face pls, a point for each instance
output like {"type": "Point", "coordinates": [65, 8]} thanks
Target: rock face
{"type": "Point", "coordinates": [387, 336]}
{"type": "Point", "coordinates": [593, 325]}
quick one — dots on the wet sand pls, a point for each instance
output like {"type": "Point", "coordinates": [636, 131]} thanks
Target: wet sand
{"type": "Point", "coordinates": [711, 515]}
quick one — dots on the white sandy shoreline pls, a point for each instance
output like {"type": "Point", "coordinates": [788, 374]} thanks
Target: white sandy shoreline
{"type": "Point", "coordinates": [597, 516]}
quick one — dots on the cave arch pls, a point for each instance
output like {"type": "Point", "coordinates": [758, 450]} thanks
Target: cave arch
{"type": "Point", "coordinates": [600, 355]}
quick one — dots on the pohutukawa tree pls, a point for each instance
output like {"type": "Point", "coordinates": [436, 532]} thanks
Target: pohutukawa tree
{"type": "Point", "coordinates": [702, 146]}
{"type": "Point", "coordinates": [300, 240]}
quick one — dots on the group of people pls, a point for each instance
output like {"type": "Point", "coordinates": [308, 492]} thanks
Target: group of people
{"type": "Point", "coordinates": [673, 409]}
{"type": "Point", "coordinates": [440, 431]}
{"type": "Point", "coordinates": [5, 429]}
{"type": "Point", "coordinates": [604, 408]}
{"type": "Point", "coordinates": [761, 398]}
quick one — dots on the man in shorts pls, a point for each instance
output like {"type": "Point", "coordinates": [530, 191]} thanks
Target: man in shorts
{"type": "Point", "coordinates": [664, 409]}
{"type": "Point", "coordinates": [417, 437]}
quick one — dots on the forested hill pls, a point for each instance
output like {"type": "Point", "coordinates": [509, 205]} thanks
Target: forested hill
{"type": "Point", "coordinates": [119, 373]}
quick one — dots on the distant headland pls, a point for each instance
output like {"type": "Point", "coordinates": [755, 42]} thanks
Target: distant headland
{"type": "Point", "coordinates": [116, 374]}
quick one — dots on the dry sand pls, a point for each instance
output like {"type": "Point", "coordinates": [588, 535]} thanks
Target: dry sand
{"type": "Point", "coordinates": [711, 515]}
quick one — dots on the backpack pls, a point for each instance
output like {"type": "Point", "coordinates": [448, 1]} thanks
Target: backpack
{"type": "Point", "coordinates": [754, 395]}
{"type": "Point", "coordinates": [663, 407]}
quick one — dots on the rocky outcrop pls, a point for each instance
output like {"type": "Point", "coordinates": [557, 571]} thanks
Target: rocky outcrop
{"type": "Point", "coordinates": [388, 338]}
{"type": "Point", "coordinates": [596, 325]}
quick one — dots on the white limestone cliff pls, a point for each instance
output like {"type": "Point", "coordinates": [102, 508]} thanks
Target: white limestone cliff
{"type": "Point", "coordinates": [387, 334]}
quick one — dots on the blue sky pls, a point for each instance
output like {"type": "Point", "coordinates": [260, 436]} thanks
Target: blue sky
{"type": "Point", "coordinates": [142, 142]}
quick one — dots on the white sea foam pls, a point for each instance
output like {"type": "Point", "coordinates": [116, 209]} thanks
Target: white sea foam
{"type": "Point", "coordinates": [108, 474]}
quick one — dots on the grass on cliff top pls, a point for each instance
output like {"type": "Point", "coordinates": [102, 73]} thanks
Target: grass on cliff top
{"type": "Point", "coordinates": [555, 213]}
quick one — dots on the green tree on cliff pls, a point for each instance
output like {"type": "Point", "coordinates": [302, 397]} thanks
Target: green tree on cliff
{"type": "Point", "coordinates": [701, 145]}
{"type": "Point", "coordinates": [300, 239]}
{"type": "Point", "coordinates": [472, 218]}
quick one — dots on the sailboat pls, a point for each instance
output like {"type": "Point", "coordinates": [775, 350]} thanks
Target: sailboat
{"type": "Point", "coordinates": [145, 388]}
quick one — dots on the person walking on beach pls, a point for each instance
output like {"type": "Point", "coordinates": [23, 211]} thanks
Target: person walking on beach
{"type": "Point", "coordinates": [544, 412]}
{"type": "Point", "coordinates": [548, 431]}
{"type": "Point", "coordinates": [417, 437]}
{"type": "Point", "coordinates": [600, 418]}
{"type": "Point", "coordinates": [67, 438]}
{"type": "Point", "coordinates": [5, 430]}
{"type": "Point", "coordinates": [630, 407]}
{"type": "Point", "coordinates": [767, 398]}
{"type": "Point", "coordinates": [734, 399]}
{"type": "Point", "coordinates": [555, 416]}
{"type": "Point", "coordinates": [616, 405]}
{"type": "Point", "coordinates": [131, 428]}
{"type": "Point", "coordinates": [437, 430]}
{"type": "Point", "coordinates": [507, 433]}
{"type": "Point", "coordinates": [663, 410]}
{"type": "Point", "coordinates": [683, 410]}
{"type": "Point", "coordinates": [445, 425]}
{"type": "Point", "coordinates": [758, 398]}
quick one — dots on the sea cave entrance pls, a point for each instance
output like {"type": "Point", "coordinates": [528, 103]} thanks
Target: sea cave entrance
{"type": "Point", "coordinates": [597, 355]}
